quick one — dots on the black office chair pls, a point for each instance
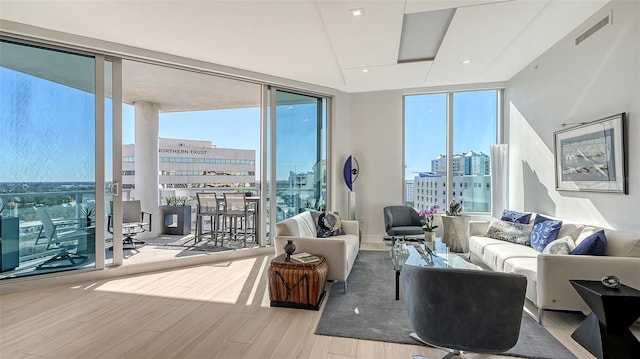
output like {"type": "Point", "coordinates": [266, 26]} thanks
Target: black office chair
{"type": "Point", "coordinates": [464, 310]}
{"type": "Point", "coordinates": [402, 221]}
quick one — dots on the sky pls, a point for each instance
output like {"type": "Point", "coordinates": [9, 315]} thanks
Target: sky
{"type": "Point", "coordinates": [47, 130]}
{"type": "Point", "coordinates": [474, 126]}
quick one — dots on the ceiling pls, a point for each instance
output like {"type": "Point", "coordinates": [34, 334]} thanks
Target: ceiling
{"type": "Point", "coordinates": [320, 42]}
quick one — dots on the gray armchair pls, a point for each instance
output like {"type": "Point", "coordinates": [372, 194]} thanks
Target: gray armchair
{"type": "Point", "coordinates": [464, 310]}
{"type": "Point", "coordinates": [402, 221]}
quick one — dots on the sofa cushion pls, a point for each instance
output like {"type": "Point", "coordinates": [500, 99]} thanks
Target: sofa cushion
{"type": "Point", "coordinates": [526, 266]}
{"type": "Point", "coordinates": [545, 230]}
{"type": "Point", "coordinates": [328, 224]}
{"type": "Point", "coordinates": [593, 245]}
{"type": "Point", "coordinates": [477, 244]}
{"type": "Point", "coordinates": [515, 216]}
{"type": "Point", "coordinates": [494, 256]}
{"type": "Point", "coordinates": [300, 225]}
{"type": "Point", "coordinates": [509, 231]}
{"type": "Point", "coordinates": [563, 245]}
{"type": "Point", "coordinates": [570, 229]}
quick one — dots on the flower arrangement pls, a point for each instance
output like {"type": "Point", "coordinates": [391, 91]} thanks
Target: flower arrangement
{"type": "Point", "coordinates": [427, 222]}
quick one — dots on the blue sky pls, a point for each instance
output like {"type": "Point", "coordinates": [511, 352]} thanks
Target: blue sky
{"type": "Point", "coordinates": [425, 126]}
{"type": "Point", "coordinates": [47, 130]}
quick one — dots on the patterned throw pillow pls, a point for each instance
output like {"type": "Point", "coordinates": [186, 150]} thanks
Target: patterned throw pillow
{"type": "Point", "coordinates": [509, 231]}
{"type": "Point", "coordinates": [328, 224]}
{"type": "Point", "coordinates": [515, 216]}
{"type": "Point", "coordinates": [563, 245]}
{"type": "Point", "coordinates": [594, 245]}
{"type": "Point", "coordinates": [545, 230]}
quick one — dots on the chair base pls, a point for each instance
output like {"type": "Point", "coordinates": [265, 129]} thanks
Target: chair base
{"type": "Point", "coordinates": [74, 260]}
{"type": "Point", "coordinates": [452, 353]}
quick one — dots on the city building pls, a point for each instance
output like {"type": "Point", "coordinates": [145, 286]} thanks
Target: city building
{"type": "Point", "coordinates": [471, 183]}
{"type": "Point", "coordinates": [190, 166]}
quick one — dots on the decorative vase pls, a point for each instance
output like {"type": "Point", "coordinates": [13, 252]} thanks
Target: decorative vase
{"type": "Point", "coordinates": [429, 236]}
{"type": "Point", "coordinates": [289, 248]}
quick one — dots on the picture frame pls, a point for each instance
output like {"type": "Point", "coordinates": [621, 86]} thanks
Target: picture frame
{"type": "Point", "coordinates": [592, 156]}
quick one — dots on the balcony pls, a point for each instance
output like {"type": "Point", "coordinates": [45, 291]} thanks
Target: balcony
{"type": "Point", "coordinates": [66, 209]}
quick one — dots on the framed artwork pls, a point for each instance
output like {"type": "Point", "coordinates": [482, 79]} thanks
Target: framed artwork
{"type": "Point", "coordinates": [592, 156]}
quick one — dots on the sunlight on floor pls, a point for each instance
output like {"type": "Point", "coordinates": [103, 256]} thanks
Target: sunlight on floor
{"type": "Point", "coordinates": [226, 281]}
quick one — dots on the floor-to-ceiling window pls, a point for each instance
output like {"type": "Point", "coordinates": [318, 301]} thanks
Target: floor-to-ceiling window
{"type": "Point", "coordinates": [447, 139]}
{"type": "Point", "coordinates": [300, 160]}
{"type": "Point", "coordinates": [47, 151]}
{"type": "Point", "coordinates": [210, 136]}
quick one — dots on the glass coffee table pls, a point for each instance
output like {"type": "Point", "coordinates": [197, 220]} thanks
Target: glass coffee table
{"type": "Point", "coordinates": [416, 252]}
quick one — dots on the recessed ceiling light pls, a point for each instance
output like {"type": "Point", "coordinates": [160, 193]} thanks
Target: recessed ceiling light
{"type": "Point", "coordinates": [467, 61]}
{"type": "Point", "coordinates": [357, 12]}
{"type": "Point", "coordinates": [365, 70]}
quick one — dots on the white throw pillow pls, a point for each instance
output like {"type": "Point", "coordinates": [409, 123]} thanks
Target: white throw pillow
{"type": "Point", "coordinates": [563, 245]}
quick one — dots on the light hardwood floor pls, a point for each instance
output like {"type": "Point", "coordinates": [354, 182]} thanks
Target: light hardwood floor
{"type": "Point", "coordinates": [216, 310]}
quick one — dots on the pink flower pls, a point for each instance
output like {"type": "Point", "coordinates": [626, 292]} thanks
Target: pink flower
{"type": "Point", "coordinates": [428, 218]}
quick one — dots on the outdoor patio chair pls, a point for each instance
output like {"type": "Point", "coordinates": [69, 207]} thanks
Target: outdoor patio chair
{"type": "Point", "coordinates": [464, 310]}
{"type": "Point", "coordinates": [402, 221]}
{"type": "Point", "coordinates": [64, 236]}
{"type": "Point", "coordinates": [238, 211]}
{"type": "Point", "coordinates": [209, 206]}
{"type": "Point", "coordinates": [133, 221]}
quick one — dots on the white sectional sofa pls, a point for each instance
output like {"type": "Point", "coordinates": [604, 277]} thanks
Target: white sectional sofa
{"type": "Point", "coordinates": [339, 251]}
{"type": "Point", "coordinates": [548, 275]}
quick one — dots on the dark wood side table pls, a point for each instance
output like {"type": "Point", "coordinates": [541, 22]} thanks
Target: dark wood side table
{"type": "Point", "coordinates": [297, 285]}
{"type": "Point", "coordinates": [605, 332]}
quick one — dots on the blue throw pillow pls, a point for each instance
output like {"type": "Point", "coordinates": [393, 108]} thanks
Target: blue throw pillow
{"type": "Point", "coordinates": [515, 216]}
{"type": "Point", "coordinates": [545, 230]}
{"type": "Point", "coordinates": [594, 245]}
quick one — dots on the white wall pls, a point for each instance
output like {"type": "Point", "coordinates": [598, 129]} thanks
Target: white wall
{"type": "Point", "coordinates": [340, 148]}
{"type": "Point", "coordinates": [598, 78]}
{"type": "Point", "coordinates": [376, 135]}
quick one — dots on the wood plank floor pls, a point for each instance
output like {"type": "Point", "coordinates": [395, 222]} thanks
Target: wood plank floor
{"type": "Point", "coordinates": [216, 310]}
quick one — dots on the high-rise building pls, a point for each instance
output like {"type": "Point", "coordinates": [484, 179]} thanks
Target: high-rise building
{"type": "Point", "coordinates": [471, 183]}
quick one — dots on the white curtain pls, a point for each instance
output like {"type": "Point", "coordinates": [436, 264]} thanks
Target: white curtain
{"type": "Point", "coordinates": [499, 154]}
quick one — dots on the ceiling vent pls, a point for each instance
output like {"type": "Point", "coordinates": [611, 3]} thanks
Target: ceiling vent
{"type": "Point", "coordinates": [593, 29]}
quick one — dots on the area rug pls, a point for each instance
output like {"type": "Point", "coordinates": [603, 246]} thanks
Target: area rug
{"type": "Point", "coordinates": [369, 311]}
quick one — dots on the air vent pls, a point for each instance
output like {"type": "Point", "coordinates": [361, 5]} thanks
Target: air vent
{"type": "Point", "coordinates": [585, 35]}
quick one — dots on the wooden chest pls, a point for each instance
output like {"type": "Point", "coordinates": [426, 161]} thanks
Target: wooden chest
{"type": "Point", "coordinates": [297, 285]}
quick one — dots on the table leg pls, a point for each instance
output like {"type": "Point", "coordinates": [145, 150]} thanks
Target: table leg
{"type": "Point", "coordinates": [397, 285]}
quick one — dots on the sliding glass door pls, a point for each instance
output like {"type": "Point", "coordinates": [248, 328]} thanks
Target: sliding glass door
{"type": "Point", "coordinates": [299, 169]}
{"type": "Point", "coordinates": [48, 156]}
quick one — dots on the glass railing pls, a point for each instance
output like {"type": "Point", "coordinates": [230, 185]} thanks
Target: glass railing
{"type": "Point", "coordinates": [30, 246]}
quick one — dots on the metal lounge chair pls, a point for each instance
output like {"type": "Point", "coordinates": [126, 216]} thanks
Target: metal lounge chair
{"type": "Point", "coordinates": [61, 236]}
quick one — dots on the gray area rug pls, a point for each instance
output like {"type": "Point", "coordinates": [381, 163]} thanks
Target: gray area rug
{"type": "Point", "coordinates": [369, 311]}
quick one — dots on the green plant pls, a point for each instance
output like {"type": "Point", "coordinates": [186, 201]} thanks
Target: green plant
{"type": "Point", "coordinates": [177, 201]}
{"type": "Point", "coordinates": [88, 213]}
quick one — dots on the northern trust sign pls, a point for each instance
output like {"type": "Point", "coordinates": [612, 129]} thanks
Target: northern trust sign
{"type": "Point", "coordinates": [182, 151]}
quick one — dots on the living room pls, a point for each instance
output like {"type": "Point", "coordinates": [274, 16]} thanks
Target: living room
{"type": "Point", "coordinates": [568, 84]}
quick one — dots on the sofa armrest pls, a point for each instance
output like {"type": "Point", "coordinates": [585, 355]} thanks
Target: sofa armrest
{"type": "Point", "coordinates": [478, 228]}
{"type": "Point", "coordinates": [350, 227]}
{"type": "Point", "coordinates": [554, 272]}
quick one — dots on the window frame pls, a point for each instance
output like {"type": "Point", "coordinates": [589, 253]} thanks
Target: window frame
{"type": "Point", "coordinates": [499, 136]}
